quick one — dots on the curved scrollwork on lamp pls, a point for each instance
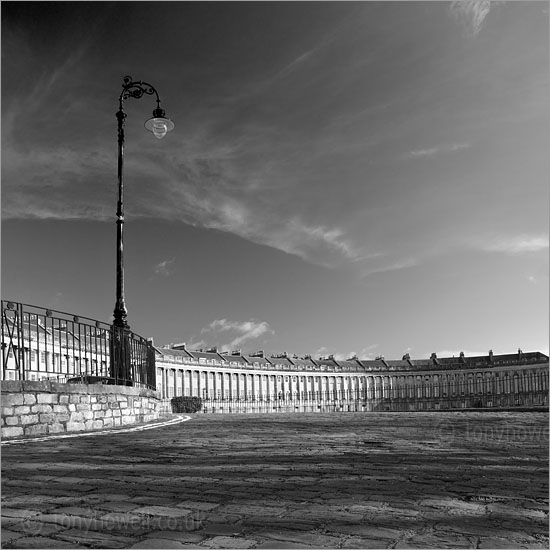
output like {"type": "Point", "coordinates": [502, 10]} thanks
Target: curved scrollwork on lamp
{"type": "Point", "coordinates": [158, 124]}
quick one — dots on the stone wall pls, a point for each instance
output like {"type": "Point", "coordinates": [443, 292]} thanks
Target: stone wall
{"type": "Point", "coordinates": [39, 408]}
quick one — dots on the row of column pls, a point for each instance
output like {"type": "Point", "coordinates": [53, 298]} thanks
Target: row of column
{"type": "Point", "coordinates": [210, 384]}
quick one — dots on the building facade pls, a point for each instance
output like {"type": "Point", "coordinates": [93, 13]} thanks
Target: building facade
{"type": "Point", "coordinates": [279, 383]}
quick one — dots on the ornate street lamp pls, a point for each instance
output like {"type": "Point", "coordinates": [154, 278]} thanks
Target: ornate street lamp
{"type": "Point", "coordinates": [122, 364]}
{"type": "Point", "coordinates": [159, 125]}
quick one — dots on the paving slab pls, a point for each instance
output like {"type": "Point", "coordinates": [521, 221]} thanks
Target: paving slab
{"type": "Point", "coordinates": [340, 480]}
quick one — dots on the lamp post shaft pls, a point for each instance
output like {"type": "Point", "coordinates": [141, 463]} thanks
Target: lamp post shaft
{"type": "Point", "coordinates": [120, 313]}
{"type": "Point", "coordinates": [159, 125]}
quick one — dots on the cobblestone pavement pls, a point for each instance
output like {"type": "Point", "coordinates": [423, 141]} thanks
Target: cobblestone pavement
{"type": "Point", "coordinates": [340, 480]}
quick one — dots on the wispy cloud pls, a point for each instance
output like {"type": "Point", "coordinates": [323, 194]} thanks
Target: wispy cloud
{"type": "Point", "coordinates": [433, 151]}
{"type": "Point", "coordinates": [519, 244]}
{"type": "Point", "coordinates": [164, 268]}
{"type": "Point", "coordinates": [243, 331]}
{"type": "Point", "coordinates": [471, 13]}
{"type": "Point", "coordinates": [389, 266]}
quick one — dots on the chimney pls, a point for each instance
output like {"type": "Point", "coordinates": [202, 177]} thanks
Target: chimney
{"type": "Point", "coordinates": [406, 357]}
{"type": "Point", "coordinates": [490, 356]}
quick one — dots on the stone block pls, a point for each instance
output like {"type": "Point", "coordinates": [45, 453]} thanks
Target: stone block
{"type": "Point", "coordinates": [102, 399]}
{"type": "Point", "coordinates": [56, 428]}
{"type": "Point", "coordinates": [84, 398]}
{"type": "Point", "coordinates": [59, 409]}
{"type": "Point", "coordinates": [87, 415]}
{"type": "Point", "coordinates": [29, 398]}
{"type": "Point", "coordinates": [109, 390]}
{"type": "Point", "coordinates": [60, 387]}
{"type": "Point", "coordinates": [12, 431]}
{"type": "Point", "coordinates": [108, 422]}
{"type": "Point", "coordinates": [76, 417]}
{"type": "Point", "coordinates": [63, 399]}
{"type": "Point", "coordinates": [47, 398]}
{"type": "Point", "coordinates": [99, 414]}
{"type": "Point", "coordinates": [71, 407]}
{"type": "Point", "coordinates": [126, 412]}
{"type": "Point", "coordinates": [29, 419]}
{"type": "Point", "coordinates": [117, 413]}
{"type": "Point", "coordinates": [163, 511]}
{"type": "Point", "coordinates": [37, 385]}
{"type": "Point", "coordinates": [21, 409]}
{"type": "Point", "coordinates": [97, 389]}
{"type": "Point", "coordinates": [62, 417]}
{"type": "Point", "coordinates": [96, 407]}
{"type": "Point", "coordinates": [75, 426]}
{"type": "Point", "coordinates": [47, 418]}
{"type": "Point", "coordinates": [7, 411]}
{"type": "Point", "coordinates": [36, 429]}
{"type": "Point", "coordinates": [42, 408]}
{"type": "Point", "coordinates": [74, 399]}
{"type": "Point", "coordinates": [97, 424]}
{"type": "Point", "coordinates": [108, 413]}
{"type": "Point", "coordinates": [9, 386]}
{"type": "Point", "coordinates": [93, 398]}
{"type": "Point", "coordinates": [11, 399]}
{"type": "Point", "coordinates": [12, 420]}
{"type": "Point", "coordinates": [83, 407]}
{"type": "Point", "coordinates": [128, 420]}
{"type": "Point", "coordinates": [123, 405]}
{"type": "Point", "coordinates": [116, 422]}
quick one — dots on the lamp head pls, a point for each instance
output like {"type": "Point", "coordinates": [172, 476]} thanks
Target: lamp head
{"type": "Point", "coordinates": [159, 124]}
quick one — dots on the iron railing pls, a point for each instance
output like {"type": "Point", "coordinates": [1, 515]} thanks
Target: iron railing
{"type": "Point", "coordinates": [347, 401]}
{"type": "Point", "coordinates": [39, 344]}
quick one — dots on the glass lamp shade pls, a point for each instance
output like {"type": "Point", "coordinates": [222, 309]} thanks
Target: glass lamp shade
{"type": "Point", "coordinates": [160, 126]}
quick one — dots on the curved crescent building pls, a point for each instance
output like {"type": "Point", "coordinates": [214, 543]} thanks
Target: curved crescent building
{"type": "Point", "coordinates": [252, 383]}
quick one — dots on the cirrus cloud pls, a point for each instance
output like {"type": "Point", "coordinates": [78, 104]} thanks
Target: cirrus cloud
{"type": "Point", "coordinates": [471, 13]}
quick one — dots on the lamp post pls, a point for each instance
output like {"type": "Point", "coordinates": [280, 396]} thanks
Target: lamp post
{"type": "Point", "coordinates": [159, 125]}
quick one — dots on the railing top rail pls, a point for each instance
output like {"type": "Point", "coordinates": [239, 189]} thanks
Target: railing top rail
{"type": "Point", "coordinates": [49, 312]}
{"type": "Point", "coordinates": [63, 315]}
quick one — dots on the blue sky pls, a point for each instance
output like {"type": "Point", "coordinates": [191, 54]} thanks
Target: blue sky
{"type": "Point", "coordinates": [343, 177]}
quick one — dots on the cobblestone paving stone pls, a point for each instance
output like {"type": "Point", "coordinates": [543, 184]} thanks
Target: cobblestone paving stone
{"type": "Point", "coordinates": [348, 480]}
